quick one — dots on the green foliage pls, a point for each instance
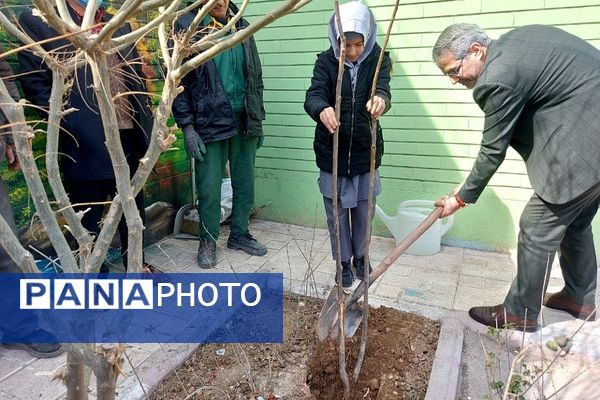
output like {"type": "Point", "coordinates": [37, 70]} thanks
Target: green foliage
{"type": "Point", "coordinates": [497, 385]}
{"type": "Point", "coordinates": [516, 384]}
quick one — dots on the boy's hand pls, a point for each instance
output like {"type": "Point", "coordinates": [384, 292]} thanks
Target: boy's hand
{"type": "Point", "coordinates": [327, 117]}
{"type": "Point", "coordinates": [378, 107]}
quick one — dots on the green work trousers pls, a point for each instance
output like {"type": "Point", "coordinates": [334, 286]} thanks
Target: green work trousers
{"type": "Point", "coordinates": [241, 152]}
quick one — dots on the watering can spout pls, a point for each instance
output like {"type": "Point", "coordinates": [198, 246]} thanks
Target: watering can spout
{"type": "Point", "coordinates": [386, 219]}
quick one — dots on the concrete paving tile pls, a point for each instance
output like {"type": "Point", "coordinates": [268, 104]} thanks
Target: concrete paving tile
{"type": "Point", "coordinates": [429, 275]}
{"type": "Point", "coordinates": [302, 287]}
{"type": "Point", "coordinates": [431, 299]}
{"type": "Point", "coordinates": [19, 355]}
{"type": "Point", "coordinates": [30, 384]}
{"type": "Point", "coordinates": [471, 281]}
{"type": "Point", "coordinates": [475, 252]}
{"type": "Point", "coordinates": [378, 254]}
{"type": "Point", "coordinates": [189, 268]}
{"type": "Point", "coordinates": [448, 267]}
{"type": "Point", "coordinates": [382, 244]}
{"type": "Point", "coordinates": [270, 235]}
{"type": "Point", "coordinates": [48, 365]}
{"type": "Point", "coordinates": [324, 278]}
{"type": "Point", "coordinates": [260, 224]}
{"type": "Point", "coordinates": [312, 235]}
{"type": "Point", "coordinates": [388, 291]}
{"type": "Point", "coordinates": [446, 289]}
{"type": "Point", "coordinates": [470, 259]}
{"type": "Point", "coordinates": [467, 297]}
{"type": "Point", "coordinates": [411, 282]}
{"type": "Point", "coordinates": [233, 257]}
{"type": "Point", "coordinates": [499, 274]}
{"type": "Point", "coordinates": [135, 357]}
{"type": "Point", "coordinates": [8, 396]}
{"type": "Point", "coordinates": [451, 250]}
{"type": "Point", "coordinates": [471, 269]}
{"type": "Point", "coordinates": [8, 367]}
{"type": "Point", "coordinates": [273, 245]}
{"type": "Point", "coordinates": [395, 271]}
{"type": "Point", "coordinates": [306, 249]}
{"type": "Point", "coordinates": [287, 229]}
{"type": "Point", "coordinates": [496, 284]}
{"type": "Point", "coordinates": [169, 266]}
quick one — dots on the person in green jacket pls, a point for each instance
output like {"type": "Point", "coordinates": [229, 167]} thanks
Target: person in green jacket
{"type": "Point", "coordinates": [221, 112]}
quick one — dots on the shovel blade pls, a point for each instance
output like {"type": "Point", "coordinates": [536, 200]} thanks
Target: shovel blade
{"type": "Point", "coordinates": [328, 316]}
{"type": "Point", "coordinates": [327, 325]}
{"type": "Point", "coordinates": [352, 320]}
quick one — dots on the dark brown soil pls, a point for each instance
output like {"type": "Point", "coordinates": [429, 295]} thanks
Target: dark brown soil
{"type": "Point", "coordinates": [397, 365]}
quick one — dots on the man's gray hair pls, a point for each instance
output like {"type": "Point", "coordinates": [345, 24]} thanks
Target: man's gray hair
{"type": "Point", "coordinates": [456, 40]}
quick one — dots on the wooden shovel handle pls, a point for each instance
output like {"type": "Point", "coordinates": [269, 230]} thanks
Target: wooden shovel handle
{"type": "Point", "coordinates": [395, 253]}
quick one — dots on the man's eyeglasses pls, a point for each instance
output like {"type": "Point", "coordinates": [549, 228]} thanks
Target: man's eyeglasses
{"type": "Point", "coordinates": [456, 71]}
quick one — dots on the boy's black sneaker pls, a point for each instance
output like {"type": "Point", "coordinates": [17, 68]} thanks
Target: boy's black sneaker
{"type": "Point", "coordinates": [207, 254]}
{"type": "Point", "coordinates": [359, 266]}
{"type": "Point", "coordinates": [246, 243]}
{"type": "Point", "coordinates": [347, 275]}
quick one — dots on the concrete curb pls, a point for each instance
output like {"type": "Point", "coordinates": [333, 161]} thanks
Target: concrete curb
{"type": "Point", "coordinates": [445, 373]}
{"type": "Point", "coordinates": [159, 365]}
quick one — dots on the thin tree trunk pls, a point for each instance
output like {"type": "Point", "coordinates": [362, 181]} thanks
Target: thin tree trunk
{"type": "Point", "coordinates": [336, 216]}
{"type": "Point", "coordinates": [365, 309]}
{"type": "Point", "coordinates": [76, 377]}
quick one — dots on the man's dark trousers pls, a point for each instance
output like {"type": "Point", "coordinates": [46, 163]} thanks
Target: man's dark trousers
{"type": "Point", "coordinates": [544, 229]}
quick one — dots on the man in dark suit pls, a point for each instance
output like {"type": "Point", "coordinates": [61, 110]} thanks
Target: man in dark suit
{"type": "Point", "coordinates": [539, 88]}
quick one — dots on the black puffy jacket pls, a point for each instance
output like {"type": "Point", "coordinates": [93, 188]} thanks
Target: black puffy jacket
{"type": "Point", "coordinates": [82, 137]}
{"type": "Point", "coordinates": [355, 120]}
{"type": "Point", "coordinates": [204, 103]}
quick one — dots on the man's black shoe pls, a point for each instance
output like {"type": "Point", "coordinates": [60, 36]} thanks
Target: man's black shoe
{"type": "Point", "coordinates": [207, 254]}
{"type": "Point", "coordinates": [246, 243]}
{"type": "Point", "coordinates": [347, 275]}
{"type": "Point", "coordinates": [359, 266]}
{"type": "Point", "coordinates": [40, 350]}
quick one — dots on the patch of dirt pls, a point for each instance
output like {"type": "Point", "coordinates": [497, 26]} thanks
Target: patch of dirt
{"type": "Point", "coordinates": [397, 365]}
{"type": "Point", "coordinates": [398, 359]}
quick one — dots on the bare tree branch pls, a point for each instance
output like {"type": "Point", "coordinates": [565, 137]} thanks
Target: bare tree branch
{"type": "Point", "coordinates": [164, 14]}
{"type": "Point", "coordinates": [238, 37]}
{"type": "Point", "coordinates": [99, 65]}
{"type": "Point", "coordinates": [55, 114]}
{"type": "Point", "coordinates": [22, 134]}
{"type": "Point", "coordinates": [125, 12]}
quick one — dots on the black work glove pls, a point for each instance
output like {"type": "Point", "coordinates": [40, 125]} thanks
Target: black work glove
{"type": "Point", "coordinates": [194, 146]}
{"type": "Point", "coordinates": [259, 142]}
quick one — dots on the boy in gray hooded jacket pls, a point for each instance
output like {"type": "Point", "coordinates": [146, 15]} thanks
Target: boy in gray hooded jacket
{"type": "Point", "coordinates": [357, 115]}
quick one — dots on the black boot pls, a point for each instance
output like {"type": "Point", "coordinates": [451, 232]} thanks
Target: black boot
{"type": "Point", "coordinates": [246, 243]}
{"type": "Point", "coordinates": [207, 254]}
{"type": "Point", "coordinates": [347, 275]}
{"type": "Point", "coordinates": [359, 266]}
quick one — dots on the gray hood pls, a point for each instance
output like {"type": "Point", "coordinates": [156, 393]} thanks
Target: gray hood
{"type": "Point", "coordinates": [356, 17]}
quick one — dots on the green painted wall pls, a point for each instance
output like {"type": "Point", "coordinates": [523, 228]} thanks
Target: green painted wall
{"type": "Point", "coordinates": [432, 132]}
